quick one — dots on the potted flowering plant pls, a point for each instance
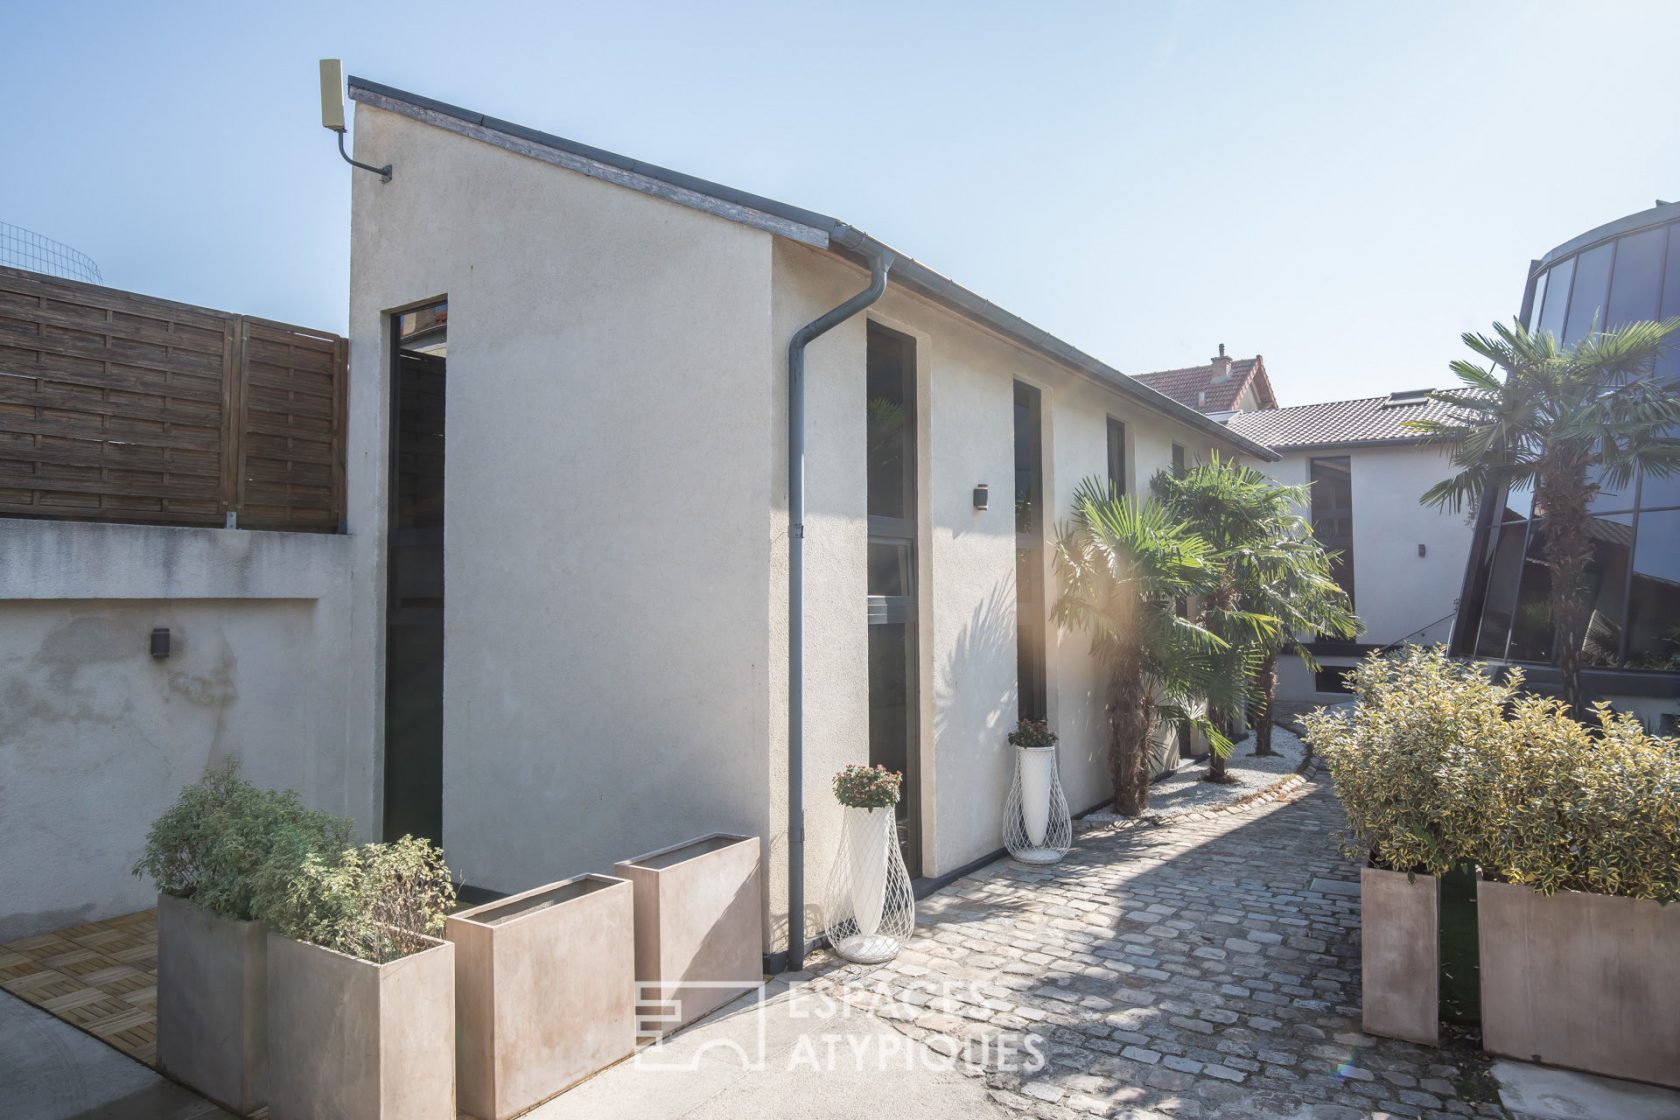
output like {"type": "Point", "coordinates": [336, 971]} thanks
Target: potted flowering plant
{"type": "Point", "coordinates": [1040, 811]}
{"type": "Point", "coordinates": [870, 872]}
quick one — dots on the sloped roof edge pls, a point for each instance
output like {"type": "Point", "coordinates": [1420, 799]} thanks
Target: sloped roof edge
{"type": "Point", "coordinates": [796, 223]}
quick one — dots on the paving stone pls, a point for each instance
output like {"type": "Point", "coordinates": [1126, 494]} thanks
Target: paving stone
{"type": "Point", "coordinates": [1199, 970]}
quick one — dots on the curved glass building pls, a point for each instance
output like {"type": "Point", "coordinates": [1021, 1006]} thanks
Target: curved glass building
{"type": "Point", "coordinates": [1626, 270]}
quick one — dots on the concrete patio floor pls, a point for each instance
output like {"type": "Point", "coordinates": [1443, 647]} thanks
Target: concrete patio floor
{"type": "Point", "coordinates": [49, 1070]}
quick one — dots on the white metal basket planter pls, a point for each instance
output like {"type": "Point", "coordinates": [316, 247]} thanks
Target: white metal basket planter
{"type": "Point", "coordinates": [869, 911]}
{"type": "Point", "coordinates": [1037, 827]}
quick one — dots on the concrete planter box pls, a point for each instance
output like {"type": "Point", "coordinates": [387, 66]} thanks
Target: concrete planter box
{"type": "Point", "coordinates": [212, 988]}
{"type": "Point", "coordinates": [353, 1040]}
{"type": "Point", "coordinates": [1400, 955]}
{"type": "Point", "coordinates": [544, 992]}
{"type": "Point", "coordinates": [699, 927]}
{"type": "Point", "coordinates": [1587, 981]}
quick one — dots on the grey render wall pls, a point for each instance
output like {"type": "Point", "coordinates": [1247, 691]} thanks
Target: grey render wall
{"type": "Point", "coordinates": [97, 737]}
{"type": "Point", "coordinates": [606, 495]}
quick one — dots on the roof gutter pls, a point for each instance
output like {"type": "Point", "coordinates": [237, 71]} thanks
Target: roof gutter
{"type": "Point", "coordinates": [880, 262]}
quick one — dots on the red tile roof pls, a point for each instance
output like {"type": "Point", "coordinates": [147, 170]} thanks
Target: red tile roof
{"type": "Point", "coordinates": [1196, 388]}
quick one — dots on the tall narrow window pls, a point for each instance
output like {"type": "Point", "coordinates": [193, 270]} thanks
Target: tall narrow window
{"type": "Point", "coordinates": [1117, 455]}
{"type": "Point", "coordinates": [1332, 513]}
{"type": "Point", "coordinates": [890, 459]}
{"type": "Point", "coordinates": [1029, 554]}
{"type": "Point", "coordinates": [414, 638]}
{"type": "Point", "coordinates": [1177, 460]}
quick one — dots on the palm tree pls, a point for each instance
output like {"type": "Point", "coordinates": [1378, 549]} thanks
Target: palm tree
{"type": "Point", "coordinates": [1122, 567]}
{"type": "Point", "coordinates": [1269, 566]}
{"type": "Point", "coordinates": [1549, 416]}
{"type": "Point", "coordinates": [1301, 593]}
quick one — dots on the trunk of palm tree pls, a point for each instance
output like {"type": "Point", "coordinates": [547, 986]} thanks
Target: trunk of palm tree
{"type": "Point", "coordinates": [1562, 498]}
{"type": "Point", "coordinates": [1131, 719]}
{"type": "Point", "coordinates": [1265, 693]}
{"type": "Point", "coordinates": [1224, 599]}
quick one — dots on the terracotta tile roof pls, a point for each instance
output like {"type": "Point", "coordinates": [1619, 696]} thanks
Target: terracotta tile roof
{"type": "Point", "coordinates": [1371, 420]}
{"type": "Point", "coordinates": [1195, 386]}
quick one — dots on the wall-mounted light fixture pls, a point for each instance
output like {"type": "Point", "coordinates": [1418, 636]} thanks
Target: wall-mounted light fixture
{"type": "Point", "coordinates": [160, 642]}
{"type": "Point", "coordinates": [982, 496]}
{"type": "Point", "coordinates": [1423, 550]}
{"type": "Point", "coordinates": [332, 113]}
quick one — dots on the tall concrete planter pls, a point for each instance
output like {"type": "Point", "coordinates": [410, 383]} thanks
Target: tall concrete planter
{"type": "Point", "coordinates": [353, 1040]}
{"type": "Point", "coordinates": [212, 986]}
{"type": "Point", "coordinates": [544, 992]}
{"type": "Point", "coordinates": [699, 927]}
{"type": "Point", "coordinates": [1587, 981]}
{"type": "Point", "coordinates": [1400, 955]}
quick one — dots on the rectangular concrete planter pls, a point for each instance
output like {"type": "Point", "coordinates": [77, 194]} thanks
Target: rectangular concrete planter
{"type": "Point", "coordinates": [544, 992]}
{"type": "Point", "coordinates": [1587, 981]}
{"type": "Point", "coordinates": [212, 987]}
{"type": "Point", "coordinates": [353, 1040]}
{"type": "Point", "coordinates": [1400, 955]}
{"type": "Point", "coordinates": [699, 927]}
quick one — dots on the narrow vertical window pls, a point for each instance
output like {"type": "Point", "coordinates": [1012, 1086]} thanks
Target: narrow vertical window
{"type": "Point", "coordinates": [890, 458]}
{"type": "Point", "coordinates": [1332, 513]}
{"type": "Point", "coordinates": [1029, 554]}
{"type": "Point", "coordinates": [1117, 455]}
{"type": "Point", "coordinates": [1177, 460]}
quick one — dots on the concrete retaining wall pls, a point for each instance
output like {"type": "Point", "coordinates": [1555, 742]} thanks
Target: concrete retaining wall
{"type": "Point", "coordinates": [97, 737]}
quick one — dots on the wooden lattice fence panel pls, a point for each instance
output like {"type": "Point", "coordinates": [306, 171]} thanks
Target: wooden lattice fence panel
{"type": "Point", "coordinates": [121, 407]}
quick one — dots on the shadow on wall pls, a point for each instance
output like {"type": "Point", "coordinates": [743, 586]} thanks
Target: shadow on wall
{"type": "Point", "coordinates": [965, 711]}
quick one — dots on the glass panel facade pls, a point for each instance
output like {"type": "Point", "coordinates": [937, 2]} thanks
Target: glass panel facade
{"type": "Point", "coordinates": [1637, 280]}
{"type": "Point", "coordinates": [1633, 577]}
{"type": "Point", "coordinates": [1586, 296]}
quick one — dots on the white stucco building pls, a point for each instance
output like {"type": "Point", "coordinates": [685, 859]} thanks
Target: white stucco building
{"type": "Point", "coordinates": [1401, 561]}
{"type": "Point", "coordinates": [593, 534]}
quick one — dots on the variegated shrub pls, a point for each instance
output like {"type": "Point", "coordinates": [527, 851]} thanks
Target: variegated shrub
{"type": "Point", "coordinates": [1419, 715]}
{"type": "Point", "coordinates": [1437, 764]}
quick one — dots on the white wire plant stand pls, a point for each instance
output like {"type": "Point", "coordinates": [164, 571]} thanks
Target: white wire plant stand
{"type": "Point", "coordinates": [869, 909]}
{"type": "Point", "coordinates": [1037, 827]}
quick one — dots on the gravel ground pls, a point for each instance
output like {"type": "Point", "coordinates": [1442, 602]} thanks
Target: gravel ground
{"type": "Point", "coordinates": [1185, 792]}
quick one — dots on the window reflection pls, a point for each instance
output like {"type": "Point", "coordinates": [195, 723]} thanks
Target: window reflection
{"type": "Point", "coordinates": [1586, 295]}
{"type": "Point", "coordinates": [1634, 286]}
{"type": "Point", "coordinates": [1557, 298]}
{"type": "Point", "coordinates": [1654, 602]}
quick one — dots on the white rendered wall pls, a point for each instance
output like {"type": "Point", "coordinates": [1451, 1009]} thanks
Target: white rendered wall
{"type": "Point", "coordinates": [607, 498]}
{"type": "Point", "coordinates": [1397, 593]}
{"type": "Point", "coordinates": [99, 737]}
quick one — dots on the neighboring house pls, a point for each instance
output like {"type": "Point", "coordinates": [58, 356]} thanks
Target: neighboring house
{"type": "Point", "coordinates": [1401, 562]}
{"type": "Point", "coordinates": [1221, 388]}
{"type": "Point", "coordinates": [589, 548]}
{"type": "Point", "coordinates": [1623, 271]}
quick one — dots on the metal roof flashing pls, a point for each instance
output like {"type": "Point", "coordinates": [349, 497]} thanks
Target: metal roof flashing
{"type": "Point", "coordinates": [792, 222]}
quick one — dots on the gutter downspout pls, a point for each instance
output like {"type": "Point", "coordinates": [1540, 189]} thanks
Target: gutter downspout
{"type": "Point", "coordinates": [880, 261]}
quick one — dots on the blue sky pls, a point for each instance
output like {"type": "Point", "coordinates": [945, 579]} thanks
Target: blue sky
{"type": "Point", "coordinates": [1342, 187]}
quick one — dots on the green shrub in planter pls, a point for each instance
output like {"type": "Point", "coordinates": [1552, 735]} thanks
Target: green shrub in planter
{"type": "Point", "coordinates": [210, 844]}
{"type": "Point", "coordinates": [378, 902]}
{"type": "Point", "coordinates": [1419, 716]}
{"type": "Point", "coordinates": [1559, 805]}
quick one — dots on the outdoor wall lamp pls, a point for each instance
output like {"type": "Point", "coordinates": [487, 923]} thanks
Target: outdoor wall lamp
{"type": "Point", "coordinates": [332, 113]}
{"type": "Point", "coordinates": [160, 642]}
{"type": "Point", "coordinates": [982, 496]}
{"type": "Point", "coordinates": [1423, 550]}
